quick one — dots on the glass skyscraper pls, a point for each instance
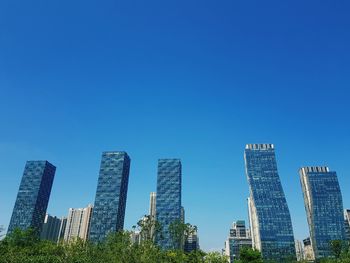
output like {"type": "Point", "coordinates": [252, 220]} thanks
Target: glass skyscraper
{"type": "Point", "coordinates": [33, 196]}
{"type": "Point", "coordinates": [168, 200]}
{"type": "Point", "coordinates": [269, 216]}
{"type": "Point", "coordinates": [112, 188]}
{"type": "Point", "coordinates": [324, 208]}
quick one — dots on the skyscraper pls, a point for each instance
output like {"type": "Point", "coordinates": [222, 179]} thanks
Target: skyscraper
{"type": "Point", "coordinates": [168, 198]}
{"type": "Point", "coordinates": [78, 223]}
{"type": "Point", "coordinates": [33, 196]}
{"type": "Point", "coordinates": [239, 237]}
{"type": "Point", "coordinates": [152, 204]}
{"type": "Point", "coordinates": [51, 228]}
{"type": "Point", "coordinates": [112, 188]}
{"type": "Point", "coordinates": [271, 225]}
{"type": "Point", "coordinates": [324, 208]}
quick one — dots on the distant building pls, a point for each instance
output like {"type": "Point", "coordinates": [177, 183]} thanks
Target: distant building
{"type": "Point", "coordinates": [269, 216]}
{"type": "Point", "coordinates": [309, 254]}
{"type": "Point", "coordinates": [239, 237]}
{"type": "Point", "coordinates": [62, 228]}
{"type": "Point", "coordinates": [33, 196]}
{"type": "Point", "coordinates": [111, 194]}
{"type": "Point", "coordinates": [51, 228]}
{"type": "Point", "coordinates": [78, 223]}
{"type": "Point", "coordinates": [299, 250]}
{"type": "Point", "coordinates": [152, 204]}
{"type": "Point", "coordinates": [182, 215]}
{"type": "Point", "coordinates": [191, 242]}
{"type": "Point", "coordinates": [347, 224]}
{"type": "Point", "coordinates": [135, 237]}
{"type": "Point", "coordinates": [324, 208]}
{"type": "Point", "coordinates": [168, 198]}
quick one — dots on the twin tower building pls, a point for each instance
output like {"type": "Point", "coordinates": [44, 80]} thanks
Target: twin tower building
{"type": "Point", "coordinates": [111, 194]}
{"type": "Point", "coordinates": [270, 221]}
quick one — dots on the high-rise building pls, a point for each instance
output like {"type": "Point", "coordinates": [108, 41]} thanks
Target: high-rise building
{"type": "Point", "coordinates": [239, 237]}
{"type": "Point", "coordinates": [269, 216]}
{"type": "Point", "coordinates": [191, 242]}
{"type": "Point", "coordinates": [309, 254]}
{"type": "Point", "coordinates": [33, 196]}
{"type": "Point", "coordinates": [62, 228]}
{"type": "Point", "coordinates": [299, 250]}
{"type": "Point", "coordinates": [152, 204]}
{"type": "Point", "coordinates": [78, 223]}
{"type": "Point", "coordinates": [168, 198]}
{"type": "Point", "coordinates": [51, 228]}
{"type": "Point", "coordinates": [110, 202]}
{"type": "Point", "coordinates": [347, 224]}
{"type": "Point", "coordinates": [324, 208]}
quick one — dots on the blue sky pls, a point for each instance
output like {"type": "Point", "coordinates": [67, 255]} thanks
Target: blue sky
{"type": "Point", "coordinates": [186, 79]}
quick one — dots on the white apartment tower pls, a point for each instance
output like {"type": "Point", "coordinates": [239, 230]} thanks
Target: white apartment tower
{"type": "Point", "coordinates": [78, 223]}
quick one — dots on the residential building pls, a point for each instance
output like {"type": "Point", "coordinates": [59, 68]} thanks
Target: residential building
{"type": "Point", "coordinates": [324, 208]}
{"type": "Point", "coordinates": [51, 228]}
{"type": "Point", "coordinates": [168, 198]}
{"type": "Point", "coordinates": [269, 216]}
{"type": "Point", "coordinates": [111, 194]}
{"type": "Point", "coordinates": [191, 242]}
{"type": "Point", "coordinates": [347, 224]}
{"type": "Point", "coordinates": [309, 254]}
{"type": "Point", "coordinates": [62, 228]}
{"type": "Point", "coordinates": [33, 196]}
{"type": "Point", "coordinates": [238, 238]}
{"type": "Point", "coordinates": [78, 223]}
{"type": "Point", "coordinates": [299, 250]}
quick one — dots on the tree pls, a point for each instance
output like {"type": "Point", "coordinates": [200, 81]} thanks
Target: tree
{"type": "Point", "coordinates": [149, 228]}
{"type": "Point", "coordinates": [179, 232]}
{"type": "Point", "coordinates": [250, 255]}
{"type": "Point", "coordinates": [215, 257]}
{"type": "Point", "coordinates": [336, 247]}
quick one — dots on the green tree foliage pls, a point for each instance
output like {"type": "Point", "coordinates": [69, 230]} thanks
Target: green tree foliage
{"type": "Point", "coordinates": [179, 232]}
{"type": "Point", "coordinates": [247, 255]}
{"type": "Point", "coordinates": [26, 247]}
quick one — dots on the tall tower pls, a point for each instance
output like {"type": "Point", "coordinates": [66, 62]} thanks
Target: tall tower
{"type": "Point", "coordinates": [271, 225]}
{"type": "Point", "coordinates": [168, 198]}
{"type": "Point", "coordinates": [112, 188]}
{"type": "Point", "coordinates": [324, 208]}
{"type": "Point", "coordinates": [152, 204]}
{"type": "Point", "coordinates": [33, 196]}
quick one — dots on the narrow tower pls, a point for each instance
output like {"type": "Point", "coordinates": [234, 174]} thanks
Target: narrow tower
{"type": "Point", "coordinates": [112, 188]}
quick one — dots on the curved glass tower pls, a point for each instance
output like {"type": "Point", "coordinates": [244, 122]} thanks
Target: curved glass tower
{"type": "Point", "coordinates": [324, 208]}
{"type": "Point", "coordinates": [270, 221]}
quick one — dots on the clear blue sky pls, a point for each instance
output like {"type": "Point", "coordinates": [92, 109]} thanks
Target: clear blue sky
{"type": "Point", "coordinates": [195, 80]}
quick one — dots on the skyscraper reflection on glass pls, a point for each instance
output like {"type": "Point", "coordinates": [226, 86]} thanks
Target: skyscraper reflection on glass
{"type": "Point", "coordinates": [168, 200]}
{"type": "Point", "coordinates": [33, 196]}
{"type": "Point", "coordinates": [270, 221]}
{"type": "Point", "coordinates": [324, 208]}
{"type": "Point", "coordinates": [112, 187]}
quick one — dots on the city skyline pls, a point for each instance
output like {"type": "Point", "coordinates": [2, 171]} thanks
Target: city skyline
{"type": "Point", "coordinates": [189, 80]}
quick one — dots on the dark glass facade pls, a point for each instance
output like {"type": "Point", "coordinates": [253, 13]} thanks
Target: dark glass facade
{"type": "Point", "coordinates": [112, 188]}
{"type": "Point", "coordinates": [33, 196]}
{"type": "Point", "coordinates": [272, 231]}
{"type": "Point", "coordinates": [168, 198]}
{"type": "Point", "coordinates": [324, 208]}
